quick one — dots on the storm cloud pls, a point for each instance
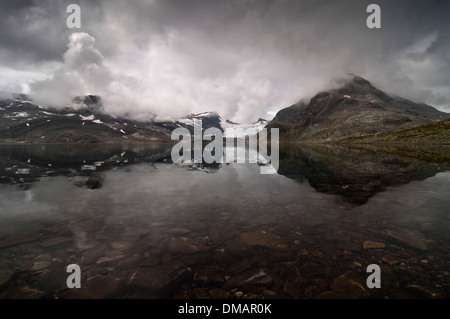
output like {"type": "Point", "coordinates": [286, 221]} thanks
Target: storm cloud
{"type": "Point", "coordinates": [243, 59]}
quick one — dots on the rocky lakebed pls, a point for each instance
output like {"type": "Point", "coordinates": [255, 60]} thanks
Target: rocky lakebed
{"type": "Point", "coordinates": [134, 235]}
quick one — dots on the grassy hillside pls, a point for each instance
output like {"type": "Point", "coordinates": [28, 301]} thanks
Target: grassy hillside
{"type": "Point", "coordinates": [430, 134]}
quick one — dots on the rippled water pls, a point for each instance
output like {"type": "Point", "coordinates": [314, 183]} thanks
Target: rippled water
{"type": "Point", "coordinates": [141, 227]}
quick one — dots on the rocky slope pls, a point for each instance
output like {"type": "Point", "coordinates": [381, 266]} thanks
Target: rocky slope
{"type": "Point", "coordinates": [283, 117]}
{"type": "Point", "coordinates": [24, 121]}
{"type": "Point", "coordinates": [435, 133]}
{"type": "Point", "coordinates": [355, 109]}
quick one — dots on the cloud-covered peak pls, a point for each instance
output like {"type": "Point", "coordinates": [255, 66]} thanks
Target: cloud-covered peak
{"type": "Point", "coordinates": [244, 59]}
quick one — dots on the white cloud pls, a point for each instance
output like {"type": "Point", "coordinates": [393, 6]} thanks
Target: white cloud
{"type": "Point", "coordinates": [243, 59]}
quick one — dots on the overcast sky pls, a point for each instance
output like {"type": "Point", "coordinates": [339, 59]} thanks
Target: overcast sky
{"type": "Point", "coordinates": [243, 59]}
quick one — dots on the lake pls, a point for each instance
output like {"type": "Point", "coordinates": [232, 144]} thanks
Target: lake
{"type": "Point", "coordinates": [139, 226]}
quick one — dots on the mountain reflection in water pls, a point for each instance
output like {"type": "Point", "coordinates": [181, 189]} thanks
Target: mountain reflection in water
{"type": "Point", "coordinates": [356, 175]}
{"type": "Point", "coordinates": [140, 226]}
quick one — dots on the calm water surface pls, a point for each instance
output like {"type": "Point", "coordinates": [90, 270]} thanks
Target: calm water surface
{"type": "Point", "coordinates": [141, 227]}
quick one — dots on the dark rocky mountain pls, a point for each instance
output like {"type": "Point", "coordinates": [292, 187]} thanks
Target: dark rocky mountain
{"type": "Point", "coordinates": [355, 109]}
{"type": "Point", "coordinates": [435, 133]}
{"type": "Point", "coordinates": [208, 120]}
{"type": "Point", "coordinates": [90, 102]}
{"type": "Point", "coordinates": [24, 121]}
{"type": "Point", "coordinates": [285, 115]}
{"type": "Point", "coordinates": [261, 121]}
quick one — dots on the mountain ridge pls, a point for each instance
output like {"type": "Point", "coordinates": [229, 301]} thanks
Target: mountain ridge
{"type": "Point", "coordinates": [351, 111]}
{"type": "Point", "coordinates": [84, 121]}
{"type": "Point", "coordinates": [354, 109]}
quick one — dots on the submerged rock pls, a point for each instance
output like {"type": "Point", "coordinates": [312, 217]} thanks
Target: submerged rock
{"type": "Point", "coordinates": [373, 245]}
{"type": "Point", "coordinates": [236, 247]}
{"type": "Point", "coordinates": [5, 276]}
{"type": "Point", "coordinates": [408, 239]}
{"type": "Point", "coordinates": [351, 246]}
{"type": "Point", "coordinates": [25, 292]}
{"type": "Point", "coordinates": [351, 284]}
{"type": "Point", "coordinates": [109, 259]}
{"type": "Point", "coordinates": [425, 292]}
{"type": "Point", "coordinates": [52, 280]}
{"type": "Point", "coordinates": [160, 280]}
{"type": "Point", "coordinates": [263, 220]}
{"type": "Point", "coordinates": [262, 238]}
{"type": "Point", "coordinates": [209, 276]}
{"type": "Point", "coordinates": [196, 259]}
{"type": "Point", "coordinates": [239, 267]}
{"type": "Point", "coordinates": [121, 245]}
{"type": "Point", "coordinates": [136, 232]}
{"type": "Point", "coordinates": [391, 260]}
{"type": "Point", "coordinates": [97, 287]}
{"type": "Point", "coordinates": [20, 239]}
{"type": "Point", "coordinates": [39, 265]}
{"type": "Point", "coordinates": [218, 293]}
{"type": "Point", "coordinates": [185, 246]}
{"type": "Point", "coordinates": [128, 263]}
{"type": "Point", "coordinates": [331, 295]}
{"type": "Point", "coordinates": [55, 241]}
{"type": "Point", "coordinates": [92, 254]}
{"type": "Point", "coordinates": [178, 231]}
{"type": "Point", "coordinates": [260, 277]}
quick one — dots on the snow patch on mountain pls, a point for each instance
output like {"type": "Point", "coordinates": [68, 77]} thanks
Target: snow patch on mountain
{"type": "Point", "coordinates": [232, 130]}
{"type": "Point", "coordinates": [87, 118]}
{"type": "Point", "coordinates": [229, 128]}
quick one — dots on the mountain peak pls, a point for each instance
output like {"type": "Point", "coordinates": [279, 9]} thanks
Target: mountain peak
{"type": "Point", "coordinates": [90, 102]}
{"type": "Point", "coordinates": [354, 83]}
{"type": "Point", "coordinates": [260, 121]}
{"type": "Point", "coordinates": [354, 86]}
{"type": "Point", "coordinates": [355, 79]}
{"type": "Point", "coordinates": [355, 108]}
{"type": "Point", "coordinates": [203, 115]}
